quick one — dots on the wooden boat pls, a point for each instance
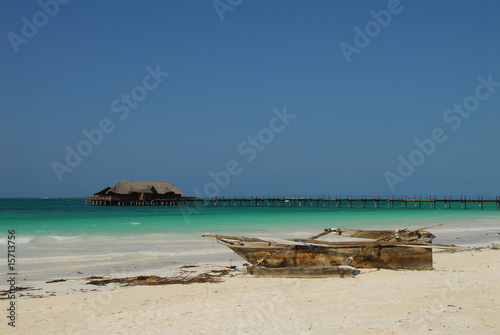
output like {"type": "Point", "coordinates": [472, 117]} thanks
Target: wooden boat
{"type": "Point", "coordinates": [394, 250]}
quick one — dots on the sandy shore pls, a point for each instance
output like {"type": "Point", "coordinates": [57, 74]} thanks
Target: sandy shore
{"type": "Point", "coordinates": [460, 296]}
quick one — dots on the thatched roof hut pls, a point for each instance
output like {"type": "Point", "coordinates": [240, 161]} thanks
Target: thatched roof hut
{"type": "Point", "coordinates": [129, 190]}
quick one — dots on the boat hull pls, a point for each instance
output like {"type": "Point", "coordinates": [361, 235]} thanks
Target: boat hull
{"type": "Point", "coordinates": [304, 272]}
{"type": "Point", "coordinates": [384, 257]}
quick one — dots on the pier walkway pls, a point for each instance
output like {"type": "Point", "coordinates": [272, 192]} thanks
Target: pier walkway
{"type": "Point", "coordinates": [462, 202]}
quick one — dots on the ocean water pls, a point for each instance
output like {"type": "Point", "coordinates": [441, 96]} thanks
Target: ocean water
{"type": "Point", "coordinates": [58, 238]}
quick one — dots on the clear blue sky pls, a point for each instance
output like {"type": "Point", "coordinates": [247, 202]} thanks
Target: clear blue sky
{"type": "Point", "coordinates": [357, 113]}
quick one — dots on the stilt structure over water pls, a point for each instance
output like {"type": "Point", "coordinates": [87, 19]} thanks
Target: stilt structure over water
{"type": "Point", "coordinates": [137, 193]}
{"type": "Point", "coordinates": [462, 202]}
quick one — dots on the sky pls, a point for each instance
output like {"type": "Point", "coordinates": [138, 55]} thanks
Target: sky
{"type": "Point", "coordinates": [251, 98]}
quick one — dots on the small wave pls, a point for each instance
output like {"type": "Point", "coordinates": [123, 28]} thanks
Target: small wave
{"type": "Point", "coordinates": [134, 222]}
{"type": "Point", "coordinates": [180, 253]}
{"type": "Point", "coordinates": [18, 240]}
{"type": "Point", "coordinates": [128, 255]}
{"type": "Point", "coordinates": [63, 238]}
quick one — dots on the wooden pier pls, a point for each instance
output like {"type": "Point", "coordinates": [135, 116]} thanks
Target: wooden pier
{"type": "Point", "coordinates": [462, 202]}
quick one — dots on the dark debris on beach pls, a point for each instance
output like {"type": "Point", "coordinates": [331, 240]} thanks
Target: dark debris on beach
{"type": "Point", "coordinates": [157, 280]}
{"type": "Point", "coordinates": [56, 281]}
{"type": "Point", "coordinates": [4, 293]}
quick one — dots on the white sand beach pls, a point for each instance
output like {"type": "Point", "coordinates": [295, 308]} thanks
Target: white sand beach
{"type": "Point", "coordinates": [460, 296]}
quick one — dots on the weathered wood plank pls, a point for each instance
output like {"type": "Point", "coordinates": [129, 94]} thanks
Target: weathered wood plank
{"type": "Point", "coordinates": [304, 272]}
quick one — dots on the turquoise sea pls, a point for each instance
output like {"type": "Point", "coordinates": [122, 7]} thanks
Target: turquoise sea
{"type": "Point", "coordinates": [63, 238]}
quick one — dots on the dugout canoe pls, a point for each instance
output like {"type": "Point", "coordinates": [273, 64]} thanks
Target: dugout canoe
{"type": "Point", "coordinates": [384, 255]}
{"type": "Point", "coordinates": [390, 250]}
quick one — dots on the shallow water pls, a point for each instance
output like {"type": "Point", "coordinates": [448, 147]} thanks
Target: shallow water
{"type": "Point", "coordinates": [62, 237]}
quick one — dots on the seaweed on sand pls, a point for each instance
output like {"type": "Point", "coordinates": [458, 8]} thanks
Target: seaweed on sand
{"type": "Point", "coordinates": [156, 280]}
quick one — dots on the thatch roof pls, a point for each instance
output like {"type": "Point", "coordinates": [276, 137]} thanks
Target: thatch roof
{"type": "Point", "coordinates": [127, 187]}
{"type": "Point", "coordinates": [103, 191]}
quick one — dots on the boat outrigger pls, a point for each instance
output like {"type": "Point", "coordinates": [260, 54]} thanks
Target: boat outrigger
{"type": "Point", "coordinates": [386, 249]}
